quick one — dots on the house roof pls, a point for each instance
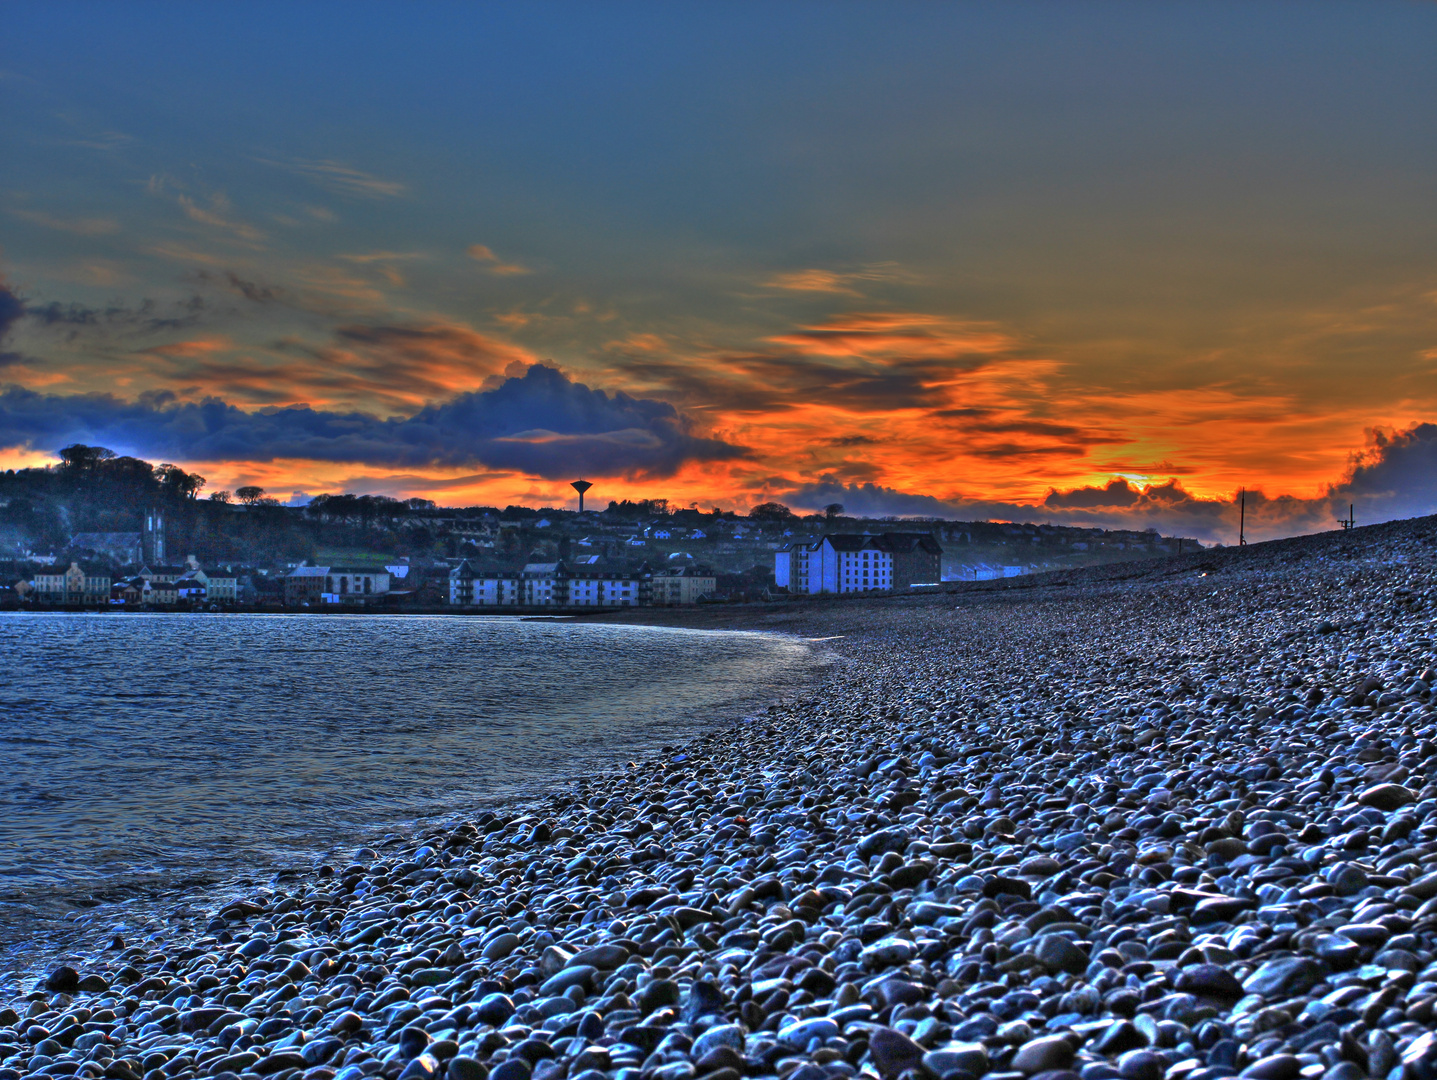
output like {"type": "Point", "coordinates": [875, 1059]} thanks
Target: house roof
{"type": "Point", "coordinates": [89, 569]}
{"type": "Point", "coordinates": [905, 542]}
{"type": "Point", "coordinates": [896, 542]}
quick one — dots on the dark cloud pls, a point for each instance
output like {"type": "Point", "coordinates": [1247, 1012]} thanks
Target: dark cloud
{"type": "Point", "coordinates": [875, 500]}
{"type": "Point", "coordinates": [1116, 493]}
{"type": "Point", "coordinates": [541, 423]}
{"type": "Point", "coordinates": [150, 315]}
{"type": "Point", "coordinates": [12, 308]}
{"type": "Point", "coordinates": [1396, 475]}
{"type": "Point", "coordinates": [782, 382]}
{"type": "Point", "coordinates": [253, 291]}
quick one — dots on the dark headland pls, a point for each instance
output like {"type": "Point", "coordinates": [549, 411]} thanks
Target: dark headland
{"type": "Point", "coordinates": [1164, 821]}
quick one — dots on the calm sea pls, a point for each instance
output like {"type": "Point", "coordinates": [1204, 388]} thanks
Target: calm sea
{"type": "Point", "coordinates": [155, 751]}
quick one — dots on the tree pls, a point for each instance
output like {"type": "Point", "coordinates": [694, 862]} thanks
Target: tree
{"type": "Point", "coordinates": [833, 510]}
{"type": "Point", "coordinates": [250, 494]}
{"type": "Point", "coordinates": [771, 511]}
{"type": "Point", "coordinates": [79, 458]}
{"type": "Point", "coordinates": [220, 496]}
{"type": "Point", "coordinates": [179, 483]}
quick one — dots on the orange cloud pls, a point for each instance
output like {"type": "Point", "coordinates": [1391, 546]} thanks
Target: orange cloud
{"type": "Point", "coordinates": [836, 282]}
{"type": "Point", "coordinates": [493, 264]}
{"type": "Point", "coordinates": [824, 281]}
{"type": "Point", "coordinates": [392, 369]}
{"type": "Point", "coordinates": [906, 334]}
{"type": "Point", "coordinates": [186, 350]}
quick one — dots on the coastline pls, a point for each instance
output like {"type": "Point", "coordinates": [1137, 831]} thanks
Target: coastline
{"type": "Point", "coordinates": [80, 919]}
{"type": "Point", "coordinates": [1116, 825]}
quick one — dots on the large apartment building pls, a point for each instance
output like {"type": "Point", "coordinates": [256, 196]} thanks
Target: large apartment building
{"type": "Point", "coordinates": [859, 562]}
{"type": "Point", "coordinates": [586, 581]}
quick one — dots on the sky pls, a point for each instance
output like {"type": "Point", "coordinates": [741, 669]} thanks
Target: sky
{"type": "Point", "coordinates": [1088, 263]}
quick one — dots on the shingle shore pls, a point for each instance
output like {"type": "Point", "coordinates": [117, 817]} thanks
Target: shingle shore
{"type": "Point", "coordinates": [1178, 826]}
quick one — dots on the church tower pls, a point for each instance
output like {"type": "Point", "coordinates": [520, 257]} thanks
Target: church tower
{"type": "Point", "coordinates": [154, 538]}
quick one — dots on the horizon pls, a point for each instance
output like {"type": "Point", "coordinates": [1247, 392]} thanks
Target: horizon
{"type": "Point", "coordinates": [1101, 266]}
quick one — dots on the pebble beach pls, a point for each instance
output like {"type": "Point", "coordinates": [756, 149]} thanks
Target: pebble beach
{"type": "Point", "coordinates": [1159, 821]}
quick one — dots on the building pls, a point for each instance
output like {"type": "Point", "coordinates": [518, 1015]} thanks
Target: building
{"type": "Point", "coordinates": [677, 586]}
{"type": "Point", "coordinates": [483, 586]}
{"type": "Point", "coordinates": [585, 581]}
{"type": "Point", "coordinates": [334, 585]}
{"type": "Point", "coordinates": [461, 584]}
{"type": "Point", "coordinates": [162, 594]}
{"type": "Point", "coordinates": [917, 559]}
{"type": "Point", "coordinates": [79, 583]}
{"type": "Point", "coordinates": [304, 584]}
{"type": "Point", "coordinates": [131, 592]}
{"type": "Point", "coordinates": [16, 587]}
{"type": "Point", "coordinates": [791, 566]}
{"type": "Point", "coordinates": [544, 585]}
{"type": "Point", "coordinates": [153, 537]}
{"type": "Point", "coordinates": [124, 547]}
{"type": "Point", "coordinates": [859, 562]}
{"type": "Point", "coordinates": [191, 587]}
{"type": "Point", "coordinates": [222, 586]}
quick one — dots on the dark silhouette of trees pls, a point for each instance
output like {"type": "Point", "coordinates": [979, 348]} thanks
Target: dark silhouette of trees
{"type": "Point", "coordinates": [771, 511]}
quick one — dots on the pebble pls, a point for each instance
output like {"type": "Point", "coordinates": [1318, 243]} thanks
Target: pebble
{"type": "Point", "coordinates": [1170, 820]}
{"type": "Point", "coordinates": [1043, 1055]}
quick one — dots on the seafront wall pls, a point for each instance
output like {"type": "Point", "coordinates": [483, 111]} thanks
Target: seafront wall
{"type": "Point", "coordinates": [1169, 823]}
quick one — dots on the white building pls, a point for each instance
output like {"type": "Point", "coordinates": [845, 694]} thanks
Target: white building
{"type": "Point", "coordinates": [857, 562]}
{"type": "Point", "coordinates": [584, 581]}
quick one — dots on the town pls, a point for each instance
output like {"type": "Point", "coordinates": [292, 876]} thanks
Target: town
{"type": "Point", "coordinates": [103, 531]}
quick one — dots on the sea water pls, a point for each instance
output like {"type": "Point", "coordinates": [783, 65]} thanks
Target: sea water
{"type": "Point", "coordinates": [149, 753]}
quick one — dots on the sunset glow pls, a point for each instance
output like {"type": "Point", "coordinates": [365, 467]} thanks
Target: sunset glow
{"type": "Point", "coordinates": [1090, 264]}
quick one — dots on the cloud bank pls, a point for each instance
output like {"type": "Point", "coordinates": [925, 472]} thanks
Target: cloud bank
{"type": "Point", "coordinates": [1395, 476]}
{"type": "Point", "coordinates": [541, 423]}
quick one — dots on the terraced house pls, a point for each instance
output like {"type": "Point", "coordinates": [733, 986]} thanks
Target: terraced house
{"type": "Point", "coordinates": [585, 581]}
{"type": "Point", "coordinates": [79, 583]}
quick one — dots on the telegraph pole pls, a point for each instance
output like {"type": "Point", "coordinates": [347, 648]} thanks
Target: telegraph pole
{"type": "Point", "coordinates": [1242, 518]}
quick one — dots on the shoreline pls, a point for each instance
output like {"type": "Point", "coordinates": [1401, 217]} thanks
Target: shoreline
{"type": "Point", "coordinates": [1168, 821]}
{"type": "Point", "coordinates": [142, 900]}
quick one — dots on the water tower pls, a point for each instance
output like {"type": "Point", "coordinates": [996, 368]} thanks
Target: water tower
{"type": "Point", "coordinates": [581, 486]}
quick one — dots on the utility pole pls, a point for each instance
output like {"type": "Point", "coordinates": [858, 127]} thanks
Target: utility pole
{"type": "Point", "coordinates": [1242, 518]}
{"type": "Point", "coordinates": [1350, 520]}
